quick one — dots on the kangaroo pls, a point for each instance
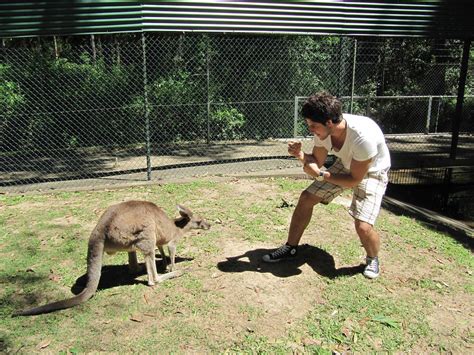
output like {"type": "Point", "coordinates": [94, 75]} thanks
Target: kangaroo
{"type": "Point", "coordinates": [130, 226]}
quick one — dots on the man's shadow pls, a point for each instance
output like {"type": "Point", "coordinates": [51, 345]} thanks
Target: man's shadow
{"type": "Point", "coordinates": [120, 275]}
{"type": "Point", "coordinates": [319, 260]}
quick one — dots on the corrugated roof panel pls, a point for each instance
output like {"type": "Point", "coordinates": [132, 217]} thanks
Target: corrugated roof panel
{"type": "Point", "coordinates": [20, 19]}
{"type": "Point", "coordinates": [400, 18]}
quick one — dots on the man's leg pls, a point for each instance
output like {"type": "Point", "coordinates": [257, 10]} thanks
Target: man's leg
{"type": "Point", "coordinates": [301, 216]}
{"type": "Point", "coordinates": [317, 192]}
{"type": "Point", "coordinates": [370, 240]}
{"type": "Point", "coordinates": [299, 221]}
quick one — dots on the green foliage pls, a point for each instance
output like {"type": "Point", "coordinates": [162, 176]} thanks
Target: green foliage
{"type": "Point", "coordinates": [203, 87]}
{"type": "Point", "coordinates": [227, 123]}
{"type": "Point", "coordinates": [175, 110]}
{"type": "Point", "coordinates": [10, 97]}
{"type": "Point", "coordinates": [12, 101]}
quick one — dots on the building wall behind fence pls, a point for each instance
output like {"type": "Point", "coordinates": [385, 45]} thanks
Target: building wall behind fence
{"type": "Point", "coordinates": [92, 110]}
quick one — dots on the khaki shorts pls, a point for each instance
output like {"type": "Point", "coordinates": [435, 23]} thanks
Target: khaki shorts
{"type": "Point", "coordinates": [366, 198]}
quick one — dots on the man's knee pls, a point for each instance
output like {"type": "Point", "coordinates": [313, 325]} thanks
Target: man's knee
{"type": "Point", "coordinates": [307, 199]}
{"type": "Point", "coordinates": [363, 228]}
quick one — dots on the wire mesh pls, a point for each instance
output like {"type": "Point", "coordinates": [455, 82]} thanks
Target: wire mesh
{"type": "Point", "coordinates": [94, 110]}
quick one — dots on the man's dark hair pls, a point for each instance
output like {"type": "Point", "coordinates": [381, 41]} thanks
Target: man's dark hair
{"type": "Point", "coordinates": [322, 107]}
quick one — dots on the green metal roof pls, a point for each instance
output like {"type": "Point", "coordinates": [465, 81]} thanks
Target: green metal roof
{"type": "Point", "coordinates": [447, 19]}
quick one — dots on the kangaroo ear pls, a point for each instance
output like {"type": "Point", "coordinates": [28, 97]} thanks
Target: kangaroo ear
{"type": "Point", "coordinates": [183, 211]}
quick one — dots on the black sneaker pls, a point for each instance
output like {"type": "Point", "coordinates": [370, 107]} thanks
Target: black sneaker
{"type": "Point", "coordinates": [284, 252]}
{"type": "Point", "coordinates": [372, 269]}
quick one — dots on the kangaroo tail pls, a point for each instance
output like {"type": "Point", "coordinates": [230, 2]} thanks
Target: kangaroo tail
{"type": "Point", "coordinates": [94, 265]}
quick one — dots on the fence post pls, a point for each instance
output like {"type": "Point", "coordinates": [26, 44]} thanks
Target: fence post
{"type": "Point", "coordinates": [428, 115]}
{"type": "Point", "coordinates": [295, 118]}
{"type": "Point", "coordinates": [437, 115]}
{"type": "Point", "coordinates": [94, 53]}
{"type": "Point", "coordinates": [457, 120]}
{"type": "Point", "coordinates": [354, 60]}
{"type": "Point", "coordinates": [147, 111]}
{"type": "Point", "coordinates": [56, 52]}
{"type": "Point", "coordinates": [460, 98]}
{"type": "Point", "coordinates": [208, 139]}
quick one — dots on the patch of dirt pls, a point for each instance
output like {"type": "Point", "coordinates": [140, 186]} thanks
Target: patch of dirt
{"type": "Point", "coordinates": [249, 187]}
{"type": "Point", "coordinates": [65, 221]}
{"type": "Point", "coordinates": [284, 292]}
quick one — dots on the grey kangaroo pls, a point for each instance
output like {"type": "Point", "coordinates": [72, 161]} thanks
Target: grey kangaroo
{"type": "Point", "coordinates": [130, 226]}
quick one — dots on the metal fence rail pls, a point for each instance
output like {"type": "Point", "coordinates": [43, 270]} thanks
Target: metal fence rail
{"type": "Point", "coordinates": [94, 110]}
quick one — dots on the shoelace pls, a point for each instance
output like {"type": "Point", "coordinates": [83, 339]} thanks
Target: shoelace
{"type": "Point", "coordinates": [281, 251]}
{"type": "Point", "coordinates": [372, 264]}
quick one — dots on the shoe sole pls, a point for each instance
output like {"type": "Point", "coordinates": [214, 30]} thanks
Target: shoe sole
{"type": "Point", "coordinates": [371, 276]}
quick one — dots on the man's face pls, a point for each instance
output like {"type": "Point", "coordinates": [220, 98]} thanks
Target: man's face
{"type": "Point", "coordinates": [318, 129]}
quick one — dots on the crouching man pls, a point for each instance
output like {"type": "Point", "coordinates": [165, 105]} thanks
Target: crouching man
{"type": "Point", "coordinates": [362, 163]}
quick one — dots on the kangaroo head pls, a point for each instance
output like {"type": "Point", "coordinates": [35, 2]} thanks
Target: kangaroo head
{"type": "Point", "coordinates": [189, 220]}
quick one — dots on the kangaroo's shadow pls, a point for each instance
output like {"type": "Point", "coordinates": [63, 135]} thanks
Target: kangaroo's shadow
{"type": "Point", "coordinates": [318, 259]}
{"type": "Point", "coordinates": [120, 275]}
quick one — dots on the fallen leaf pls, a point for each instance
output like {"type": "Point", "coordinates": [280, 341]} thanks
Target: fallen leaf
{"type": "Point", "coordinates": [136, 318]}
{"type": "Point", "coordinates": [44, 344]}
{"type": "Point", "coordinates": [346, 332]}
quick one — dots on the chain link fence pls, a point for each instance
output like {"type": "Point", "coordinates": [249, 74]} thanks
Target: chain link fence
{"type": "Point", "coordinates": [98, 110]}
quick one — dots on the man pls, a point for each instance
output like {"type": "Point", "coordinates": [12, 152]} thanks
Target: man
{"type": "Point", "coordinates": [362, 163]}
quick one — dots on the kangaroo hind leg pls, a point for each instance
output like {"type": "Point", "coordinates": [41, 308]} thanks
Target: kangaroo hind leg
{"type": "Point", "coordinates": [146, 244]}
{"type": "Point", "coordinates": [163, 256]}
{"type": "Point", "coordinates": [133, 265]}
{"type": "Point", "coordinates": [172, 252]}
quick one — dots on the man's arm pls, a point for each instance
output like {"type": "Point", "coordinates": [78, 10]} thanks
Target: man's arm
{"type": "Point", "coordinates": [313, 163]}
{"type": "Point", "coordinates": [358, 171]}
{"type": "Point", "coordinates": [318, 155]}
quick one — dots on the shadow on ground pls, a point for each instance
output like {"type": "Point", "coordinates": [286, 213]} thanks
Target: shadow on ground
{"type": "Point", "coordinates": [119, 275]}
{"type": "Point", "coordinates": [111, 276]}
{"type": "Point", "coordinates": [319, 260]}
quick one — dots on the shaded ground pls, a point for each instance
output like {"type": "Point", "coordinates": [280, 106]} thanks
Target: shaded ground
{"type": "Point", "coordinates": [99, 166]}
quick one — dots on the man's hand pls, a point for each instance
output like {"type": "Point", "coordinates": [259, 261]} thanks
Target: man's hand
{"type": "Point", "coordinates": [294, 149]}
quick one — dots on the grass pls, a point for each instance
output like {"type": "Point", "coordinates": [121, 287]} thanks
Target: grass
{"type": "Point", "coordinates": [423, 302]}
